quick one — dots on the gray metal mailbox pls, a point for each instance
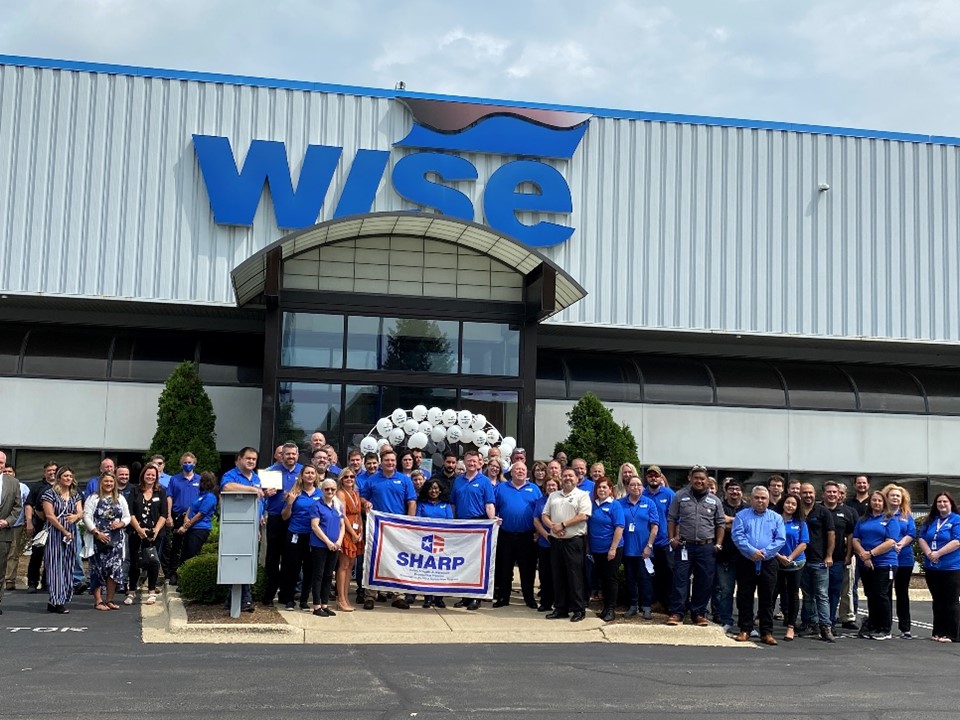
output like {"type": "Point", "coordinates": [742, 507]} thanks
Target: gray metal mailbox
{"type": "Point", "coordinates": [239, 538]}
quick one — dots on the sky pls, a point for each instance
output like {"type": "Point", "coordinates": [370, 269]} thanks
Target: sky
{"type": "Point", "coordinates": [879, 65]}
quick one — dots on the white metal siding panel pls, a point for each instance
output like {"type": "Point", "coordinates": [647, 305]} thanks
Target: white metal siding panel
{"type": "Point", "coordinates": [678, 226]}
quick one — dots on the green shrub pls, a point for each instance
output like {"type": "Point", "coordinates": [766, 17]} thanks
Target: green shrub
{"type": "Point", "coordinates": [186, 421]}
{"type": "Point", "coordinates": [596, 436]}
{"type": "Point", "coordinates": [198, 580]}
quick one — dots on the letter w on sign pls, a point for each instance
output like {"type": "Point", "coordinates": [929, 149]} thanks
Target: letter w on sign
{"type": "Point", "coordinates": [428, 556]}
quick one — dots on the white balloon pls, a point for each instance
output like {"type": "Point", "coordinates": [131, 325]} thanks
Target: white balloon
{"type": "Point", "coordinates": [479, 421]}
{"type": "Point", "coordinates": [368, 445]}
{"type": "Point", "coordinates": [384, 426]}
{"type": "Point", "coordinates": [480, 439]}
{"type": "Point", "coordinates": [493, 437]}
{"type": "Point", "coordinates": [508, 441]}
{"type": "Point", "coordinates": [435, 415]}
{"type": "Point", "coordinates": [396, 436]}
{"type": "Point", "coordinates": [453, 434]}
{"type": "Point", "coordinates": [438, 434]}
{"type": "Point", "coordinates": [419, 413]}
{"type": "Point", "coordinates": [417, 440]}
{"type": "Point", "coordinates": [464, 418]}
{"type": "Point", "coordinates": [399, 416]}
{"type": "Point", "coordinates": [466, 436]}
{"type": "Point", "coordinates": [484, 450]}
{"type": "Point", "coordinates": [381, 443]}
{"type": "Point", "coordinates": [411, 426]}
{"type": "Point", "coordinates": [449, 417]}
{"type": "Point", "coordinates": [425, 427]}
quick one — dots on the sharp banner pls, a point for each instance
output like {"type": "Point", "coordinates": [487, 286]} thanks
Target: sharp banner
{"type": "Point", "coordinates": [427, 556]}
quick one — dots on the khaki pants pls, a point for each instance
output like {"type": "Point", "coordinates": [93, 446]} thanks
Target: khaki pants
{"type": "Point", "coordinates": [13, 555]}
{"type": "Point", "coordinates": [845, 612]}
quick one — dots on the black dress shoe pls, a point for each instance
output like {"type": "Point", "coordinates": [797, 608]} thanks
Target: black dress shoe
{"type": "Point", "coordinates": [368, 604]}
{"type": "Point", "coordinates": [500, 603]}
{"type": "Point", "coordinates": [578, 616]}
{"type": "Point", "coordinates": [247, 608]}
{"type": "Point", "coordinates": [439, 603]}
{"type": "Point", "coordinates": [461, 603]}
{"type": "Point", "coordinates": [51, 607]}
{"type": "Point", "coordinates": [532, 604]}
{"type": "Point", "coordinates": [31, 590]}
{"type": "Point", "coordinates": [607, 615]}
{"type": "Point", "coordinates": [474, 605]}
{"type": "Point", "coordinates": [557, 615]}
{"type": "Point", "coordinates": [544, 608]}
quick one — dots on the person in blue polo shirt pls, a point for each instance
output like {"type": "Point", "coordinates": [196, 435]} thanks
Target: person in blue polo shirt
{"type": "Point", "coordinates": [641, 519]}
{"type": "Point", "coordinates": [297, 513]}
{"type": "Point", "coordinates": [198, 521]}
{"type": "Point", "coordinates": [657, 489]}
{"type": "Point", "coordinates": [605, 536]}
{"type": "Point", "coordinates": [940, 543]}
{"type": "Point", "coordinates": [327, 528]}
{"type": "Point", "coordinates": [183, 489]}
{"type": "Point", "coordinates": [874, 541]}
{"type": "Point", "coordinates": [276, 530]}
{"type": "Point", "coordinates": [514, 504]}
{"type": "Point", "coordinates": [432, 504]}
{"type": "Point", "coordinates": [243, 478]}
{"type": "Point", "coordinates": [388, 491]}
{"type": "Point", "coordinates": [898, 500]}
{"type": "Point", "coordinates": [472, 498]}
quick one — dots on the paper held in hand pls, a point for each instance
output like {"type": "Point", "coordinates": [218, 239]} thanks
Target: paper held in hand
{"type": "Point", "coordinates": [270, 479]}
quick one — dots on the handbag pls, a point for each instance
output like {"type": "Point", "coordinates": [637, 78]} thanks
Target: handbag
{"type": "Point", "coordinates": [104, 547]}
{"type": "Point", "coordinates": [40, 539]}
{"type": "Point", "coordinates": [149, 556]}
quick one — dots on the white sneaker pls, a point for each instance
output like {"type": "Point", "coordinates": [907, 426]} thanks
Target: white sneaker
{"type": "Point", "coordinates": [128, 600]}
{"type": "Point", "coordinates": [151, 599]}
{"type": "Point", "coordinates": [882, 636]}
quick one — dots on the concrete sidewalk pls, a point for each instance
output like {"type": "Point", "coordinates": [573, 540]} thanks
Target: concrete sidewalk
{"type": "Point", "coordinates": [166, 622]}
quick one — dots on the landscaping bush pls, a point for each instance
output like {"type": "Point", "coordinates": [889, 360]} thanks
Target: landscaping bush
{"type": "Point", "coordinates": [596, 436]}
{"type": "Point", "coordinates": [198, 580]}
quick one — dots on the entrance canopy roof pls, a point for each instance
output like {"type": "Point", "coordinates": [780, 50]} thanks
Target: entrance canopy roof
{"type": "Point", "coordinates": [250, 276]}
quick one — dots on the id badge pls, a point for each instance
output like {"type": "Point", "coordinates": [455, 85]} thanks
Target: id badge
{"type": "Point", "coordinates": [891, 573]}
{"type": "Point", "coordinates": [631, 528]}
{"type": "Point", "coordinates": [355, 526]}
{"type": "Point", "coordinates": [294, 538]}
{"type": "Point", "coordinates": [933, 545]}
{"type": "Point", "coordinates": [683, 554]}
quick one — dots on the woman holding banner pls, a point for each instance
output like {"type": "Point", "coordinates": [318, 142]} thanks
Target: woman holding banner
{"type": "Point", "coordinates": [432, 504]}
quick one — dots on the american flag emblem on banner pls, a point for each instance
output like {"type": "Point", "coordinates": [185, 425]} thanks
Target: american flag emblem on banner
{"type": "Point", "coordinates": [432, 543]}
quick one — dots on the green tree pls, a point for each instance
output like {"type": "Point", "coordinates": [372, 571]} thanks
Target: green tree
{"type": "Point", "coordinates": [418, 345]}
{"type": "Point", "coordinates": [186, 421]}
{"type": "Point", "coordinates": [595, 436]}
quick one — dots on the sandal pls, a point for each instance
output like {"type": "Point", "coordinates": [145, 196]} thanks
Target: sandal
{"type": "Point", "coordinates": [344, 608]}
{"type": "Point", "coordinates": [113, 606]}
{"type": "Point", "coordinates": [102, 607]}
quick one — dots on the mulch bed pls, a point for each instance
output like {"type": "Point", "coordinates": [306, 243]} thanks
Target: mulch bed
{"type": "Point", "coordinates": [210, 614]}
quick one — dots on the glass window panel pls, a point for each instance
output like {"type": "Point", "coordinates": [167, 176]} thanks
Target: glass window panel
{"type": "Point", "coordinates": [675, 380]}
{"type": "Point", "coordinates": [11, 340]}
{"type": "Point", "coordinates": [745, 383]}
{"type": "Point", "coordinates": [817, 387]}
{"type": "Point", "coordinates": [943, 484]}
{"type": "Point", "coordinates": [609, 377]}
{"type": "Point", "coordinates": [491, 349]}
{"type": "Point", "coordinates": [312, 340]}
{"type": "Point", "coordinates": [886, 390]}
{"type": "Point", "coordinates": [407, 344]}
{"type": "Point", "coordinates": [500, 407]}
{"type": "Point", "coordinates": [74, 353]}
{"type": "Point", "coordinates": [305, 408]}
{"type": "Point", "coordinates": [551, 377]}
{"type": "Point", "coordinates": [151, 355]}
{"type": "Point", "coordinates": [231, 358]}
{"type": "Point", "coordinates": [942, 388]}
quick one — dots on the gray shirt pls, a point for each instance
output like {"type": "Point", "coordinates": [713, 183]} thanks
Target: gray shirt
{"type": "Point", "coordinates": [697, 519]}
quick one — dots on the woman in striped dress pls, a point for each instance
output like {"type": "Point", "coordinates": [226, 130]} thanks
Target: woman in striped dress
{"type": "Point", "coordinates": [62, 509]}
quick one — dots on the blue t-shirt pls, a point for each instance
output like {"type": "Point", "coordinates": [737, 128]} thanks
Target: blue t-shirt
{"type": "Point", "coordinates": [606, 517]}
{"type": "Point", "coordinates": [330, 517]}
{"type": "Point", "coordinates": [301, 511]}
{"type": "Point", "coordinates": [587, 486]}
{"type": "Point", "coordinates": [275, 503]}
{"type": "Point", "coordinates": [874, 530]}
{"type": "Point", "coordinates": [515, 506]}
{"type": "Point", "coordinates": [538, 512]}
{"type": "Point", "coordinates": [204, 505]}
{"type": "Point", "coordinates": [638, 518]}
{"type": "Point", "coordinates": [796, 532]}
{"type": "Point", "coordinates": [234, 475]}
{"type": "Point", "coordinates": [183, 491]}
{"type": "Point", "coordinates": [663, 497]}
{"type": "Point", "coordinates": [937, 534]}
{"type": "Point", "coordinates": [908, 526]}
{"type": "Point", "coordinates": [431, 509]}
{"type": "Point", "coordinates": [471, 497]}
{"type": "Point", "coordinates": [389, 494]}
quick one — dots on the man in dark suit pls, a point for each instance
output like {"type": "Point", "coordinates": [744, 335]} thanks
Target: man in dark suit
{"type": "Point", "coordinates": [11, 503]}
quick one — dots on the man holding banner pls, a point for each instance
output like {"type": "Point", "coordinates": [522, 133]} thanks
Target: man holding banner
{"type": "Point", "coordinates": [566, 514]}
{"type": "Point", "coordinates": [472, 499]}
{"type": "Point", "coordinates": [387, 491]}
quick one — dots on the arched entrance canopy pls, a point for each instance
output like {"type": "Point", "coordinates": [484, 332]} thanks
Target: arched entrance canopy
{"type": "Point", "coordinates": [549, 289]}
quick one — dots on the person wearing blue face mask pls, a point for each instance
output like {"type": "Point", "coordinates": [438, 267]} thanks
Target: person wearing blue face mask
{"type": "Point", "coordinates": [183, 489]}
{"type": "Point", "coordinates": [939, 541]}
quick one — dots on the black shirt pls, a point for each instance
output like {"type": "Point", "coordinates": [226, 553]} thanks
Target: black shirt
{"type": "Point", "coordinates": [844, 521]}
{"type": "Point", "coordinates": [728, 551]}
{"type": "Point", "coordinates": [33, 500]}
{"type": "Point", "coordinates": [859, 507]}
{"type": "Point", "coordinates": [819, 523]}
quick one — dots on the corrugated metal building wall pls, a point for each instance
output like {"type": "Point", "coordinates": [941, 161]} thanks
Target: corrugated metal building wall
{"type": "Point", "coordinates": [678, 225]}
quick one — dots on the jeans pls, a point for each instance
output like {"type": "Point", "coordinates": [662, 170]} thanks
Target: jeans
{"type": "Point", "coordinates": [836, 574]}
{"type": "Point", "coordinates": [78, 576]}
{"type": "Point", "coordinates": [815, 584]}
{"type": "Point", "coordinates": [639, 582]}
{"type": "Point", "coordinates": [724, 582]}
{"type": "Point", "coordinates": [701, 562]}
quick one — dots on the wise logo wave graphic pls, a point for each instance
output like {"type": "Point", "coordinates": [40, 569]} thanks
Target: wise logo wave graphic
{"type": "Point", "coordinates": [423, 178]}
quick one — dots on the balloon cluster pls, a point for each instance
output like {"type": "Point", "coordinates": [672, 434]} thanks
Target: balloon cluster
{"type": "Point", "coordinates": [433, 430]}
